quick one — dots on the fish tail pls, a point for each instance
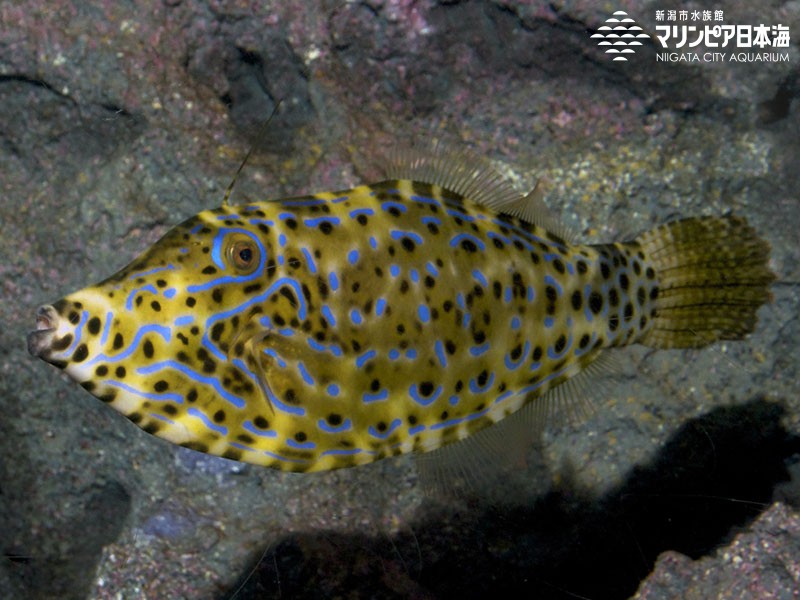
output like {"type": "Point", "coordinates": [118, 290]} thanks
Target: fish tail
{"type": "Point", "coordinates": [712, 275]}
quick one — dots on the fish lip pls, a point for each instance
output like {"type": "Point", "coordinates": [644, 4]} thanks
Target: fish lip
{"type": "Point", "coordinates": [40, 340]}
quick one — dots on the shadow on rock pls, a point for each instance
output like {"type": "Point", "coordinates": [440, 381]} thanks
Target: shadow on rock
{"type": "Point", "coordinates": [713, 477]}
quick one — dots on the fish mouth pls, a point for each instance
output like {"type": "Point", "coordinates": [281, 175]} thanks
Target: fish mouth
{"type": "Point", "coordinates": [40, 341]}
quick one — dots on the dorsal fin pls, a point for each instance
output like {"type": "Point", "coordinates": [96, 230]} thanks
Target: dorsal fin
{"type": "Point", "coordinates": [532, 209]}
{"type": "Point", "coordinates": [473, 177]}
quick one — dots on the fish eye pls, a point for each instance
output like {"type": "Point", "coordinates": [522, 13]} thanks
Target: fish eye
{"type": "Point", "coordinates": [243, 254]}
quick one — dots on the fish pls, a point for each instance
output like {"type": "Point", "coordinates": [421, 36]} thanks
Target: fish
{"type": "Point", "coordinates": [335, 329]}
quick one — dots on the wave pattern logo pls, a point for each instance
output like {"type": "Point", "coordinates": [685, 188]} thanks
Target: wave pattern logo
{"type": "Point", "coordinates": [619, 33]}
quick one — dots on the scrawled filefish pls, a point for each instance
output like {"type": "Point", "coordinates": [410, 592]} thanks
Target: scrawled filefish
{"type": "Point", "coordinates": [335, 329]}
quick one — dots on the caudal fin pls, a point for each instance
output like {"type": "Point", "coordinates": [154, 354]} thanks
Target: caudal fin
{"type": "Point", "coordinates": [712, 277]}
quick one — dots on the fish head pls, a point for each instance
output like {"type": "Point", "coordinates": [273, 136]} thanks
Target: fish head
{"type": "Point", "coordinates": [154, 339]}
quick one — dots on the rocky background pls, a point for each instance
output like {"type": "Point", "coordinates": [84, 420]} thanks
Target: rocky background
{"type": "Point", "coordinates": [120, 119]}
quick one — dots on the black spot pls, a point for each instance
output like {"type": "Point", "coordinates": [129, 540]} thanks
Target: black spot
{"type": "Point", "coordinates": [80, 353]}
{"type": "Point", "coordinates": [291, 223]}
{"type": "Point", "coordinates": [191, 396]}
{"type": "Point", "coordinates": [325, 227]}
{"type": "Point", "coordinates": [198, 446]}
{"type": "Point", "coordinates": [479, 337]}
{"type": "Point", "coordinates": [161, 386]}
{"type": "Point", "coordinates": [641, 296]}
{"type": "Point", "coordinates": [483, 376]}
{"type": "Point", "coordinates": [300, 436]}
{"type": "Point", "coordinates": [558, 265]}
{"type": "Point", "coordinates": [147, 348]}
{"type": "Point", "coordinates": [294, 263]}
{"type": "Point", "coordinates": [404, 286]}
{"type": "Point", "coordinates": [380, 426]}
{"type": "Point", "coordinates": [623, 281]}
{"type": "Point", "coordinates": [93, 325]}
{"type": "Point", "coordinates": [375, 385]}
{"type": "Point", "coordinates": [551, 294]}
{"type": "Point", "coordinates": [139, 300]}
{"type": "Point", "coordinates": [334, 419]}
{"type": "Point", "coordinates": [650, 273]}
{"type": "Point", "coordinates": [412, 420]}
{"type": "Point", "coordinates": [584, 341]}
{"type": "Point", "coordinates": [605, 270]}
{"type": "Point", "coordinates": [216, 295]}
{"type": "Point", "coordinates": [450, 347]}
{"type": "Point", "coordinates": [252, 288]}
{"type": "Point", "coordinates": [232, 454]}
{"type": "Point", "coordinates": [219, 416]}
{"type": "Point", "coordinates": [323, 287]}
{"type": "Point", "coordinates": [209, 270]}
{"type": "Point", "coordinates": [637, 268]}
{"type": "Point", "coordinates": [155, 306]}
{"type": "Point", "coordinates": [577, 300]}
{"type": "Point", "coordinates": [161, 283]}
{"type": "Point", "coordinates": [120, 372]}
{"type": "Point", "coordinates": [516, 352]}
{"type": "Point", "coordinates": [152, 428]}
{"type": "Point", "coordinates": [447, 306]}
{"type": "Point", "coordinates": [613, 297]}
{"type": "Point", "coordinates": [426, 388]}
{"type": "Point", "coordinates": [408, 244]}
{"type": "Point", "coordinates": [362, 219]}
{"type": "Point", "coordinates": [74, 317]}
{"type": "Point", "coordinates": [561, 342]}
{"type": "Point", "coordinates": [498, 243]}
{"type": "Point", "coordinates": [469, 245]}
{"type": "Point", "coordinates": [581, 266]}
{"type": "Point", "coordinates": [63, 343]}
{"type": "Point", "coordinates": [101, 371]}
{"type": "Point", "coordinates": [190, 301]}
{"type": "Point", "coordinates": [628, 311]}
{"type": "Point", "coordinates": [595, 302]}
{"type": "Point", "coordinates": [433, 228]}
{"type": "Point", "coordinates": [108, 397]}
{"type": "Point", "coordinates": [537, 354]}
{"type": "Point", "coordinates": [497, 288]}
{"type": "Point", "coordinates": [170, 409]}
{"type": "Point", "coordinates": [654, 293]}
{"type": "Point", "coordinates": [613, 322]}
{"type": "Point", "coordinates": [429, 281]}
{"type": "Point", "coordinates": [288, 294]}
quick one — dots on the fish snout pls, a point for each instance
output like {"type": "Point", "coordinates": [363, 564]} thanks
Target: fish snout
{"type": "Point", "coordinates": [40, 341]}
